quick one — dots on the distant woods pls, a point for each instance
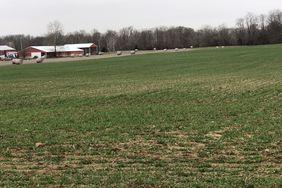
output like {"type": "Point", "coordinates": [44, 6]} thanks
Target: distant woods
{"type": "Point", "coordinates": [249, 30]}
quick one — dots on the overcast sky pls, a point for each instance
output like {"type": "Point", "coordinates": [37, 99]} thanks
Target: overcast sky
{"type": "Point", "coordinates": [32, 16]}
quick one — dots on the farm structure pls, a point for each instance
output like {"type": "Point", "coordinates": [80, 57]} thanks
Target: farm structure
{"type": "Point", "coordinates": [88, 48]}
{"type": "Point", "coordinates": [6, 51]}
{"type": "Point", "coordinates": [58, 51]}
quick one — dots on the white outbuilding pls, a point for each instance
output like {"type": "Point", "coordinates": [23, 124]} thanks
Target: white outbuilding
{"type": "Point", "coordinates": [7, 51]}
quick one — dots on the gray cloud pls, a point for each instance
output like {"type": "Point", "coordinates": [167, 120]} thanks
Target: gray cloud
{"type": "Point", "coordinates": [32, 16]}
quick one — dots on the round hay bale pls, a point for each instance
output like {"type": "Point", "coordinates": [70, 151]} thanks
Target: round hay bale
{"type": "Point", "coordinates": [17, 61]}
{"type": "Point", "coordinates": [132, 52]}
{"type": "Point", "coordinates": [41, 59]}
{"type": "Point", "coordinates": [119, 52]}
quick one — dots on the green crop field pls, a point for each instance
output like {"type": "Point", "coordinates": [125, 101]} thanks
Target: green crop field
{"type": "Point", "coordinates": [203, 118]}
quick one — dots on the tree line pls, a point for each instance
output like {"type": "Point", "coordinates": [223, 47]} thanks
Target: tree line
{"type": "Point", "coordinates": [249, 30]}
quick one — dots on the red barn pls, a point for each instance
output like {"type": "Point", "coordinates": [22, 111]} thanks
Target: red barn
{"type": "Point", "coordinates": [61, 51]}
{"type": "Point", "coordinates": [6, 51]}
{"type": "Point", "coordinates": [39, 51]}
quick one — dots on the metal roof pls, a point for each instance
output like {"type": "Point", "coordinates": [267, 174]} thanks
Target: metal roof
{"type": "Point", "coordinates": [50, 49]}
{"type": "Point", "coordinates": [82, 45]}
{"type": "Point", "coordinates": [65, 48]}
{"type": "Point", "coordinates": [5, 48]}
{"type": "Point", "coordinates": [44, 48]}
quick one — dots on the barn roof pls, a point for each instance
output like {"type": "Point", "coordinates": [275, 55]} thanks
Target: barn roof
{"type": "Point", "coordinates": [44, 48]}
{"type": "Point", "coordinates": [82, 45]}
{"type": "Point", "coordinates": [65, 48]}
{"type": "Point", "coordinates": [50, 49]}
{"type": "Point", "coordinates": [5, 48]}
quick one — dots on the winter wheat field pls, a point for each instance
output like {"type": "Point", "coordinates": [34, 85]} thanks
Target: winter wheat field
{"type": "Point", "coordinates": [203, 118]}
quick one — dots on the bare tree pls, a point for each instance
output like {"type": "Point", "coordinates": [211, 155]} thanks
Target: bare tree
{"type": "Point", "coordinates": [146, 40]}
{"type": "Point", "coordinates": [241, 33]}
{"type": "Point", "coordinates": [55, 30]}
{"type": "Point", "coordinates": [225, 36]}
{"type": "Point", "coordinates": [208, 36]}
{"type": "Point", "coordinates": [274, 28]}
{"type": "Point", "coordinates": [127, 38]}
{"type": "Point", "coordinates": [252, 26]}
{"type": "Point", "coordinates": [111, 40]}
{"type": "Point", "coordinates": [96, 38]}
{"type": "Point", "coordinates": [263, 37]}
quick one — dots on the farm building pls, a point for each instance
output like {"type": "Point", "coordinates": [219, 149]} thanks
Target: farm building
{"type": "Point", "coordinates": [60, 51]}
{"type": "Point", "coordinates": [88, 48]}
{"type": "Point", "coordinates": [6, 51]}
{"type": "Point", "coordinates": [39, 51]}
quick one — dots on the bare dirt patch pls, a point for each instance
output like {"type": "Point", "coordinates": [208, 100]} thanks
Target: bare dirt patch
{"type": "Point", "coordinates": [217, 134]}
